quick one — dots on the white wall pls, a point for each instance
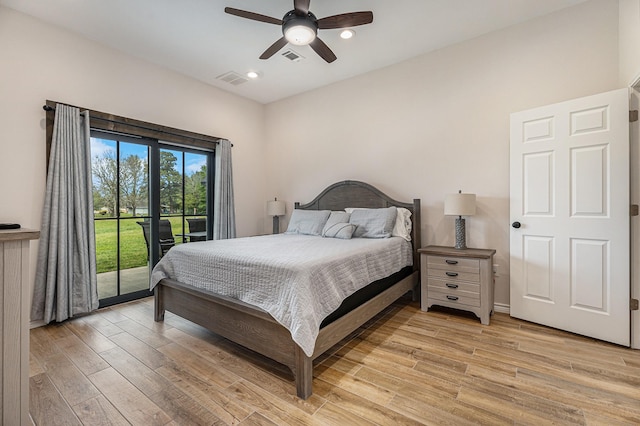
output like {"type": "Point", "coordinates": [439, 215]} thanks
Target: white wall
{"type": "Point", "coordinates": [629, 36]}
{"type": "Point", "coordinates": [422, 128]}
{"type": "Point", "coordinates": [440, 122]}
{"type": "Point", "coordinates": [40, 62]}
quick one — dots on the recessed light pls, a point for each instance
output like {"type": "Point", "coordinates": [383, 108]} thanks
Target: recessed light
{"type": "Point", "coordinates": [347, 34]}
{"type": "Point", "coordinates": [253, 75]}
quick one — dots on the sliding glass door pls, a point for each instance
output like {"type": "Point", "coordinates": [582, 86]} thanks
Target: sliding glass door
{"type": "Point", "coordinates": [121, 182]}
{"type": "Point", "coordinates": [147, 198]}
{"type": "Point", "coordinates": [184, 191]}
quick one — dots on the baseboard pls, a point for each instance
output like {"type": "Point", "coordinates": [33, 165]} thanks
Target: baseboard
{"type": "Point", "coordinates": [503, 308]}
{"type": "Point", "coordinates": [36, 324]}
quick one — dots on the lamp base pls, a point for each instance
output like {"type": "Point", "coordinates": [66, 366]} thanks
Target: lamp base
{"type": "Point", "coordinates": [461, 232]}
{"type": "Point", "coordinates": [276, 225]}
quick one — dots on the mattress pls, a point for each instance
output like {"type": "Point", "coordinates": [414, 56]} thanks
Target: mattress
{"type": "Point", "coordinates": [298, 279]}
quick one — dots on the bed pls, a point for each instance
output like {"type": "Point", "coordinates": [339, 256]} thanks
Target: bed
{"type": "Point", "coordinates": [255, 328]}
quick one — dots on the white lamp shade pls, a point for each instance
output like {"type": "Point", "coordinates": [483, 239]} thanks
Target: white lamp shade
{"type": "Point", "coordinates": [275, 208]}
{"type": "Point", "coordinates": [460, 205]}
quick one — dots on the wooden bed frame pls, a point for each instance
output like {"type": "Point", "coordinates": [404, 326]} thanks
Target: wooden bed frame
{"type": "Point", "coordinates": [256, 329]}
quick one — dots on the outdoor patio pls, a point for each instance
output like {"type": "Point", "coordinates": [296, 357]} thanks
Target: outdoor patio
{"type": "Point", "coordinates": [133, 279]}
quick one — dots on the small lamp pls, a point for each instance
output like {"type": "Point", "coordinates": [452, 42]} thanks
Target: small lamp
{"type": "Point", "coordinates": [460, 205]}
{"type": "Point", "coordinates": [276, 208]}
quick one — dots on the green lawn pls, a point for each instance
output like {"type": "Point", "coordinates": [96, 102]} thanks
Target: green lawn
{"type": "Point", "coordinates": [133, 249]}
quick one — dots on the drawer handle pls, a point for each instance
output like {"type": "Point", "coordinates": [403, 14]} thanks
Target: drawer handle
{"type": "Point", "coordinates": [452, 274]}
{"type": "Point", "coordinates": [452, 285]}
{"type": "Point", "coordinates": [451, 262]}
{"type": "Point", "coordinates": [452, 297]}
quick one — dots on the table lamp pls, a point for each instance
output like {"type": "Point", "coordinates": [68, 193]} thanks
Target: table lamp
{"type": "Point", "coordinates": [460, 205]}
{"type": "Point", "coordinates": [276, 208]}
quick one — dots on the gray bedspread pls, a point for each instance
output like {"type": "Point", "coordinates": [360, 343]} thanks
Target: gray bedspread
{"type": "Point", "coordinates": [298, 279]}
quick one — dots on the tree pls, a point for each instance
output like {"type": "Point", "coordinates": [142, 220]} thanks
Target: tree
{"type": "Point", "coordinates": [105, 174]}
{"type": "Point", "coordinates": [133, 182]}
{"type": "Point", "coordinates": [170, 182]}
{"type": "Point", "coordinates": [195, 192]}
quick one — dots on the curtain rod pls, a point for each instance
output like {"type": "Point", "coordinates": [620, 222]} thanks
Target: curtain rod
{"type": "Point", "coordinates": [50, 108]}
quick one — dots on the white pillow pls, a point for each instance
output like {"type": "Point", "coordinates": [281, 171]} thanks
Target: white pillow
{"type": "Point", "coordinates": [340, 230]}
{"type": "Point", "coordinates": [373, 223]}
{"type": "Point", "coordinates": [307, 222]}
{"type": "Point", "coordinates": [402, 227]}
{"type": "Point", "coordinates": [336, 217]}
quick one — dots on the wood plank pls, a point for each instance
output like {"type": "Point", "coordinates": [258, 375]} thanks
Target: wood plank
{"type": "Point", "coordinates": [218, 401]}
{"type": "Point", "coordinates": [269, 405]}
{"type": "Point", "coordinates": [431, 409]}
{"type": "Point", "coordinates": [90, 336]}
{"type": "Point", "coordinates": [373, 392]}
{"type": "Point", "coordinates": [331, 414]}
{"type": "Point", "coordinates": [142, 377]}
{"type": "Point", "coordinates": [152, 337]}
{"type": "Point", "coordinates": [101, 324]}
{"type": "Point", "coordinates": [70, 382]}
{"type": "Point", "coordinates": [256, 419]}
{"type": "Point", "coordinates": [212, 372]}
{"type": "Point", "coordinates": [99, 411]}
{"type": "Point", "coordinates": [361, 406]}
{"type": "Point", "coordinates": [146, 354]}
{"type": "Point", "coordinates": [47, 406]}
{"type": "Point", "coordinates": [127, 399]}
{"type": "Point", "coordinates": [82, 356]}
{"type": "Point", "coordinates": [183, 409]}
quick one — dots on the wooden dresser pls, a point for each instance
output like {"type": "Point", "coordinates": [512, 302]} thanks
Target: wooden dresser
{"type": "Point", "coordinates": [15, 296]}
{"type": "Point", "coordinates": [461, 279]}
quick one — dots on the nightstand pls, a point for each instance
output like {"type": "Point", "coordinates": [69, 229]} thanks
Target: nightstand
{"type": "Point", "coordinates": [460, 279]}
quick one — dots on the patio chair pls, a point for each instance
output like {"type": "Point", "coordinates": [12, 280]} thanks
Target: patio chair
{"type": "Point", "coordinates": [165, 236]}
{"type": "Point", "coordinates": [197, 225]}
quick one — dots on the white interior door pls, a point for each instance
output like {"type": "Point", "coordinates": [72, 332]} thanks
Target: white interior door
{"type": "Point", "coordinates": [570, 196]}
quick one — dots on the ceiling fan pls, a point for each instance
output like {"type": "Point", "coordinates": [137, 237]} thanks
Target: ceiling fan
{"type": "Point", "coordinates": [300, 27]}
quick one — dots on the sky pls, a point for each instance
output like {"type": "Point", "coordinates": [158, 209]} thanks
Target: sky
{"type": "Point", "coordinates": [193, 162]}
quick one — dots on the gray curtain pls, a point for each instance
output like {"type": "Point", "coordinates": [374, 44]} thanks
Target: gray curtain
{"type": "Point", "coordinates": [224, 216]}
{"type": "Point", "coordinates": [66, 281]}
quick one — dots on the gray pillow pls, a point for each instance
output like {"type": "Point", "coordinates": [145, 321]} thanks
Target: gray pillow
{"type": "Point", "coordinates": [307, 222]}
{"type": "Point", "coordinates": [336, 217]}
{"type": "Point", "coordinates": [373, 223]}
{"type": "Point", "coordinates": [340, 230]}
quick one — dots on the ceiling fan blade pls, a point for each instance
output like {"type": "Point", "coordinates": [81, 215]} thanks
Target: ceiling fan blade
{"type": "Point", "coordinates": [301, 6]}
{"type": "Point", "coordinates": [253, 16]}
{"type": "Point", "coordinates": [271, 50]}
{"type": "Point", "coordinates": [323, 50]}
{"type": "Point", "coordinates": [344, 20]}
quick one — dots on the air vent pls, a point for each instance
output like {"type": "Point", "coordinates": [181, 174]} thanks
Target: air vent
{"type": "Point", "coordinates": [293, 56]}
{"type": "Point", "coordinates": [233, 78]}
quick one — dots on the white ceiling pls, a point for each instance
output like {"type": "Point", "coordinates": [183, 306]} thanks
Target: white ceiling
{"type": "Point", "coordinates": [196, 37]}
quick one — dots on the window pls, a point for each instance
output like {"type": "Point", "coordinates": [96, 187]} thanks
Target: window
{"type": "Point", "coordinates": [128, 197]}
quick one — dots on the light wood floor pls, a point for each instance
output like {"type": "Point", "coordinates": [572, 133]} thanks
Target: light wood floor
{"type": "Point", "coordinates": [408, 367]}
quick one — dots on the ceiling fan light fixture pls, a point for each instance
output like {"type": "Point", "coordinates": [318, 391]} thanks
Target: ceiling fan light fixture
{"type": "Point", "coordinates": [300, 35]}
{"type": "Point", "coordinates": [299, 30]}
{"type": "Point", "coordinates": [347, 34]}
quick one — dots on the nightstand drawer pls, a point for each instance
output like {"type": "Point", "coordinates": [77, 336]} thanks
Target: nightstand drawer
{"type": "Point", "coordinates": [455, 264]}
{"type": "Point", "coordinates": [452, 286]}
{"type": "Point", "coordinates": [453, 299]}
{"type": "Point", "coordinates": [451, 275]}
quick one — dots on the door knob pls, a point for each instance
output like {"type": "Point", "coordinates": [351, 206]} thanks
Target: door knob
{"type": "Point", "coordinates": [516, 225]}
